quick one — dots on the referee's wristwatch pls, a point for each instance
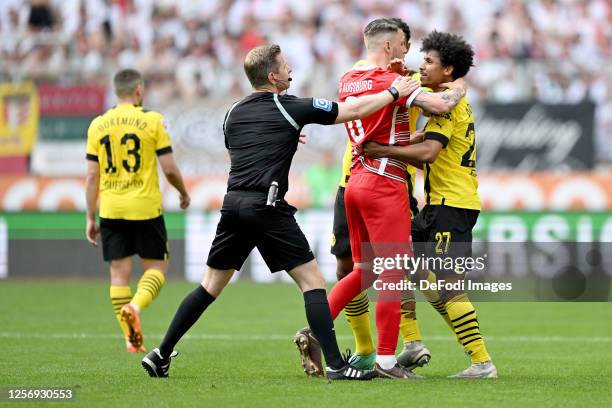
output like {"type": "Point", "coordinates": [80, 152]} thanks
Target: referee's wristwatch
{"type": "Point", "coordinates": [394, 92]}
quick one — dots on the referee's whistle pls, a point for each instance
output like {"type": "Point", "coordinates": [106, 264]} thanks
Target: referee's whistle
{"type": "Point", "coordinates": [272, 193]}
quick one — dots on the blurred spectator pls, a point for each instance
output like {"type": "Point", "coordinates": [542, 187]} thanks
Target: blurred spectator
{"type": "Point", "coordinates": [41, 16]}
{"type": "Point", "coordinates": [546, 50]}
{"type": "Point", "coordinates": [158, 35]}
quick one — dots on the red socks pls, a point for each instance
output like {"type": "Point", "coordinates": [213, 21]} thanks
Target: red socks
{"type": "Point", "coordinates": [387, 325]}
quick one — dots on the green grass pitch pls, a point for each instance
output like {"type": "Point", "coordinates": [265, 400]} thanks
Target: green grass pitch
{"type": "Point", "coordinates": [241, 354]}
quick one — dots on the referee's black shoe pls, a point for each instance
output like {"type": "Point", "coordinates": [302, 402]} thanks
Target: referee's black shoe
{"type": "Point", "coordinates": [348, 372]}
{"type": "Point", "coordinates": [156, 365]}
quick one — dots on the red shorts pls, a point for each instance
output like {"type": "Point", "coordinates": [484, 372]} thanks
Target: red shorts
{"type": "Point", "coordinates": [378, 215]}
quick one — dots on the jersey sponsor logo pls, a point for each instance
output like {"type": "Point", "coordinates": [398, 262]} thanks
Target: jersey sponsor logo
{"type": "Point", "coordinates": [323, 104]}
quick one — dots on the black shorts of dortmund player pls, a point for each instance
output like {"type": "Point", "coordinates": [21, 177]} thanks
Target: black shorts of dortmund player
{"type": "Point", "coordinates": [247, 222]}
{"type": "Point", "coordinates": [123, 238]}
{"type": "Point", "coordinates": [443, 231]}
{"type": "Point", "coordinates": [341, 245]}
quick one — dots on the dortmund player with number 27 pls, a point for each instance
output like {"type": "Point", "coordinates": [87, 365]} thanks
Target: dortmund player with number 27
{"type": "Point", "coordinates": [122, 146]}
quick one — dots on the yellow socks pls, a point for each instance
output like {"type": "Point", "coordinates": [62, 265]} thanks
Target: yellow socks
{"type": "Point", "coordinates": [121, 296]}
{"type": "Point", "coordinates": [409, 327]}
{"type": "Point", "coordinates": [433, 297]}
{"type": "Point", "coordinates": [358, 317]}
{"type": "Point", "coordinates": [465, 325]}
{"type": "Point", "coordinates": [148, 288]}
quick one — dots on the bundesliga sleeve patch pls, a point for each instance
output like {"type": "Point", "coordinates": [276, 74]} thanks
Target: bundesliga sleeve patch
{"type": "Point", "coordinates": [323, 104]}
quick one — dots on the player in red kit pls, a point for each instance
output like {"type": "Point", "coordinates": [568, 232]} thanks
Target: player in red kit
{"type": "Point", "coordinates": [377, 203]}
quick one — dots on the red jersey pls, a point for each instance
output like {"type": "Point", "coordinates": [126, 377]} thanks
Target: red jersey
{"type": "Point", "coordinates": [388, 126]}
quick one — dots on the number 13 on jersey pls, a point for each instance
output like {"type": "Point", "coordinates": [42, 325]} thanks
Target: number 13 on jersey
{"type": "Point", "coordinates": [129, 153]}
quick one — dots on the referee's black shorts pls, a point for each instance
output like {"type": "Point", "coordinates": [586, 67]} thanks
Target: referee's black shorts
{"type": "Point", "coordinates": [247, 222]}
{"type": "Point", "coordinates": [341, 244]}
{"type": "Point", "coordinates": [123, 238]}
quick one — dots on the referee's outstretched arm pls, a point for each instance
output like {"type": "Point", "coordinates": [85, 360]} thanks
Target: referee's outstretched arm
{"type": "Point", "coordinates": [365, 105]}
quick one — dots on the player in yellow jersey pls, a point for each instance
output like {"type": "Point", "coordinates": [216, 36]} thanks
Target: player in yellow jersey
{"type": "Point", "coordinates": [356, 312]}
{"type": "Point", "coordinates": [123, 147]}
{"type": "Point", "coordinates": [448, 154]}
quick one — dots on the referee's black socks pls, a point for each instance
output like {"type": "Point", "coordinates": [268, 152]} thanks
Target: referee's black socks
{"type": "Point", "coordinates": [190, 310]}
{"type": "Point", "coordinates": [322, 326]}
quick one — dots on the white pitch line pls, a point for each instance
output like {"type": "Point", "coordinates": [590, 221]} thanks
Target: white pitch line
{"type": "Point", "coordinates": [282, 337]}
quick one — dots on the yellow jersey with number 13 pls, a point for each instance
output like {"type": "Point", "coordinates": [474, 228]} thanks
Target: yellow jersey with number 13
{"type": "Point", "coordinates": [451, 179]}
{"type": "Point", "coordinates": [125, 141]}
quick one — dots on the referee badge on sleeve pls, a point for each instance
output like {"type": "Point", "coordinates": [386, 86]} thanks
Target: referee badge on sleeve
{"type": "Point", "coordinates": [323, 104]}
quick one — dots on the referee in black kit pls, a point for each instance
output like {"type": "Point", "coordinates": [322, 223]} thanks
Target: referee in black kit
{"type": "Point", "coordinates": [261, 133]}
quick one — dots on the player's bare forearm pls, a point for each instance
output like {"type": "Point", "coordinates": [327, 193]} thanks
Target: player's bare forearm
{"type": "Point", "coordinates": [91, 198]}
{"type": "Point", "coordinates": [452, 96]}
{"type": "Point", "coordinates": [174, 177]}
{"type": "Point", "coordinates": [418, 164]}
{"type": "Point", "coordinates": [376, 151]}
{"type": "Point", "coordinates": [442, 102]}
{"type": "Point", "coordinates": [92, 187]}
{"type": "Point", "coordinates": [439, 102]}
{"type": "Point", "coordinates": [91, 193]}
{"type": "Point", "coordinates": [425, 152]}
{"type": "Point", "coordinates": [406, 154]}
{"type": "Point", "coordinates": [172, 172]}
{"type": "Point", "coordinates": [176, 180]}
{"type": "Point", "coordinates": [416, 155]}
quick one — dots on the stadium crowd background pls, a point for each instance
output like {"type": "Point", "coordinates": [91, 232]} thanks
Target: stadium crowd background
{"type": "Point", "coordinates": [555, 51]}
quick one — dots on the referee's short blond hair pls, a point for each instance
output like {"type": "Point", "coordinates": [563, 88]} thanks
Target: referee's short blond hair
{"type": "Point", "coordinates": [126, 81]}
{"type": "Point", "coordinates": [259, 62]}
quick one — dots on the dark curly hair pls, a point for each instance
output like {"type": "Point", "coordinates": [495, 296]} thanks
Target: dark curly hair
{"type": "Point", "coordinates": [453, 51]}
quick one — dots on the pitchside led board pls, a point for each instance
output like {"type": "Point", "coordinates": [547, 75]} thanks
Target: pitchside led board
{"type": "Point", "coordinates": [544, 255]}
{"type": "Point", "coordinates": [534, 137]}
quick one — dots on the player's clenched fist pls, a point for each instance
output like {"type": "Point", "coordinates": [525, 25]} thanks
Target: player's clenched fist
{"type": "Point", "coordinates": [185, 201]}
